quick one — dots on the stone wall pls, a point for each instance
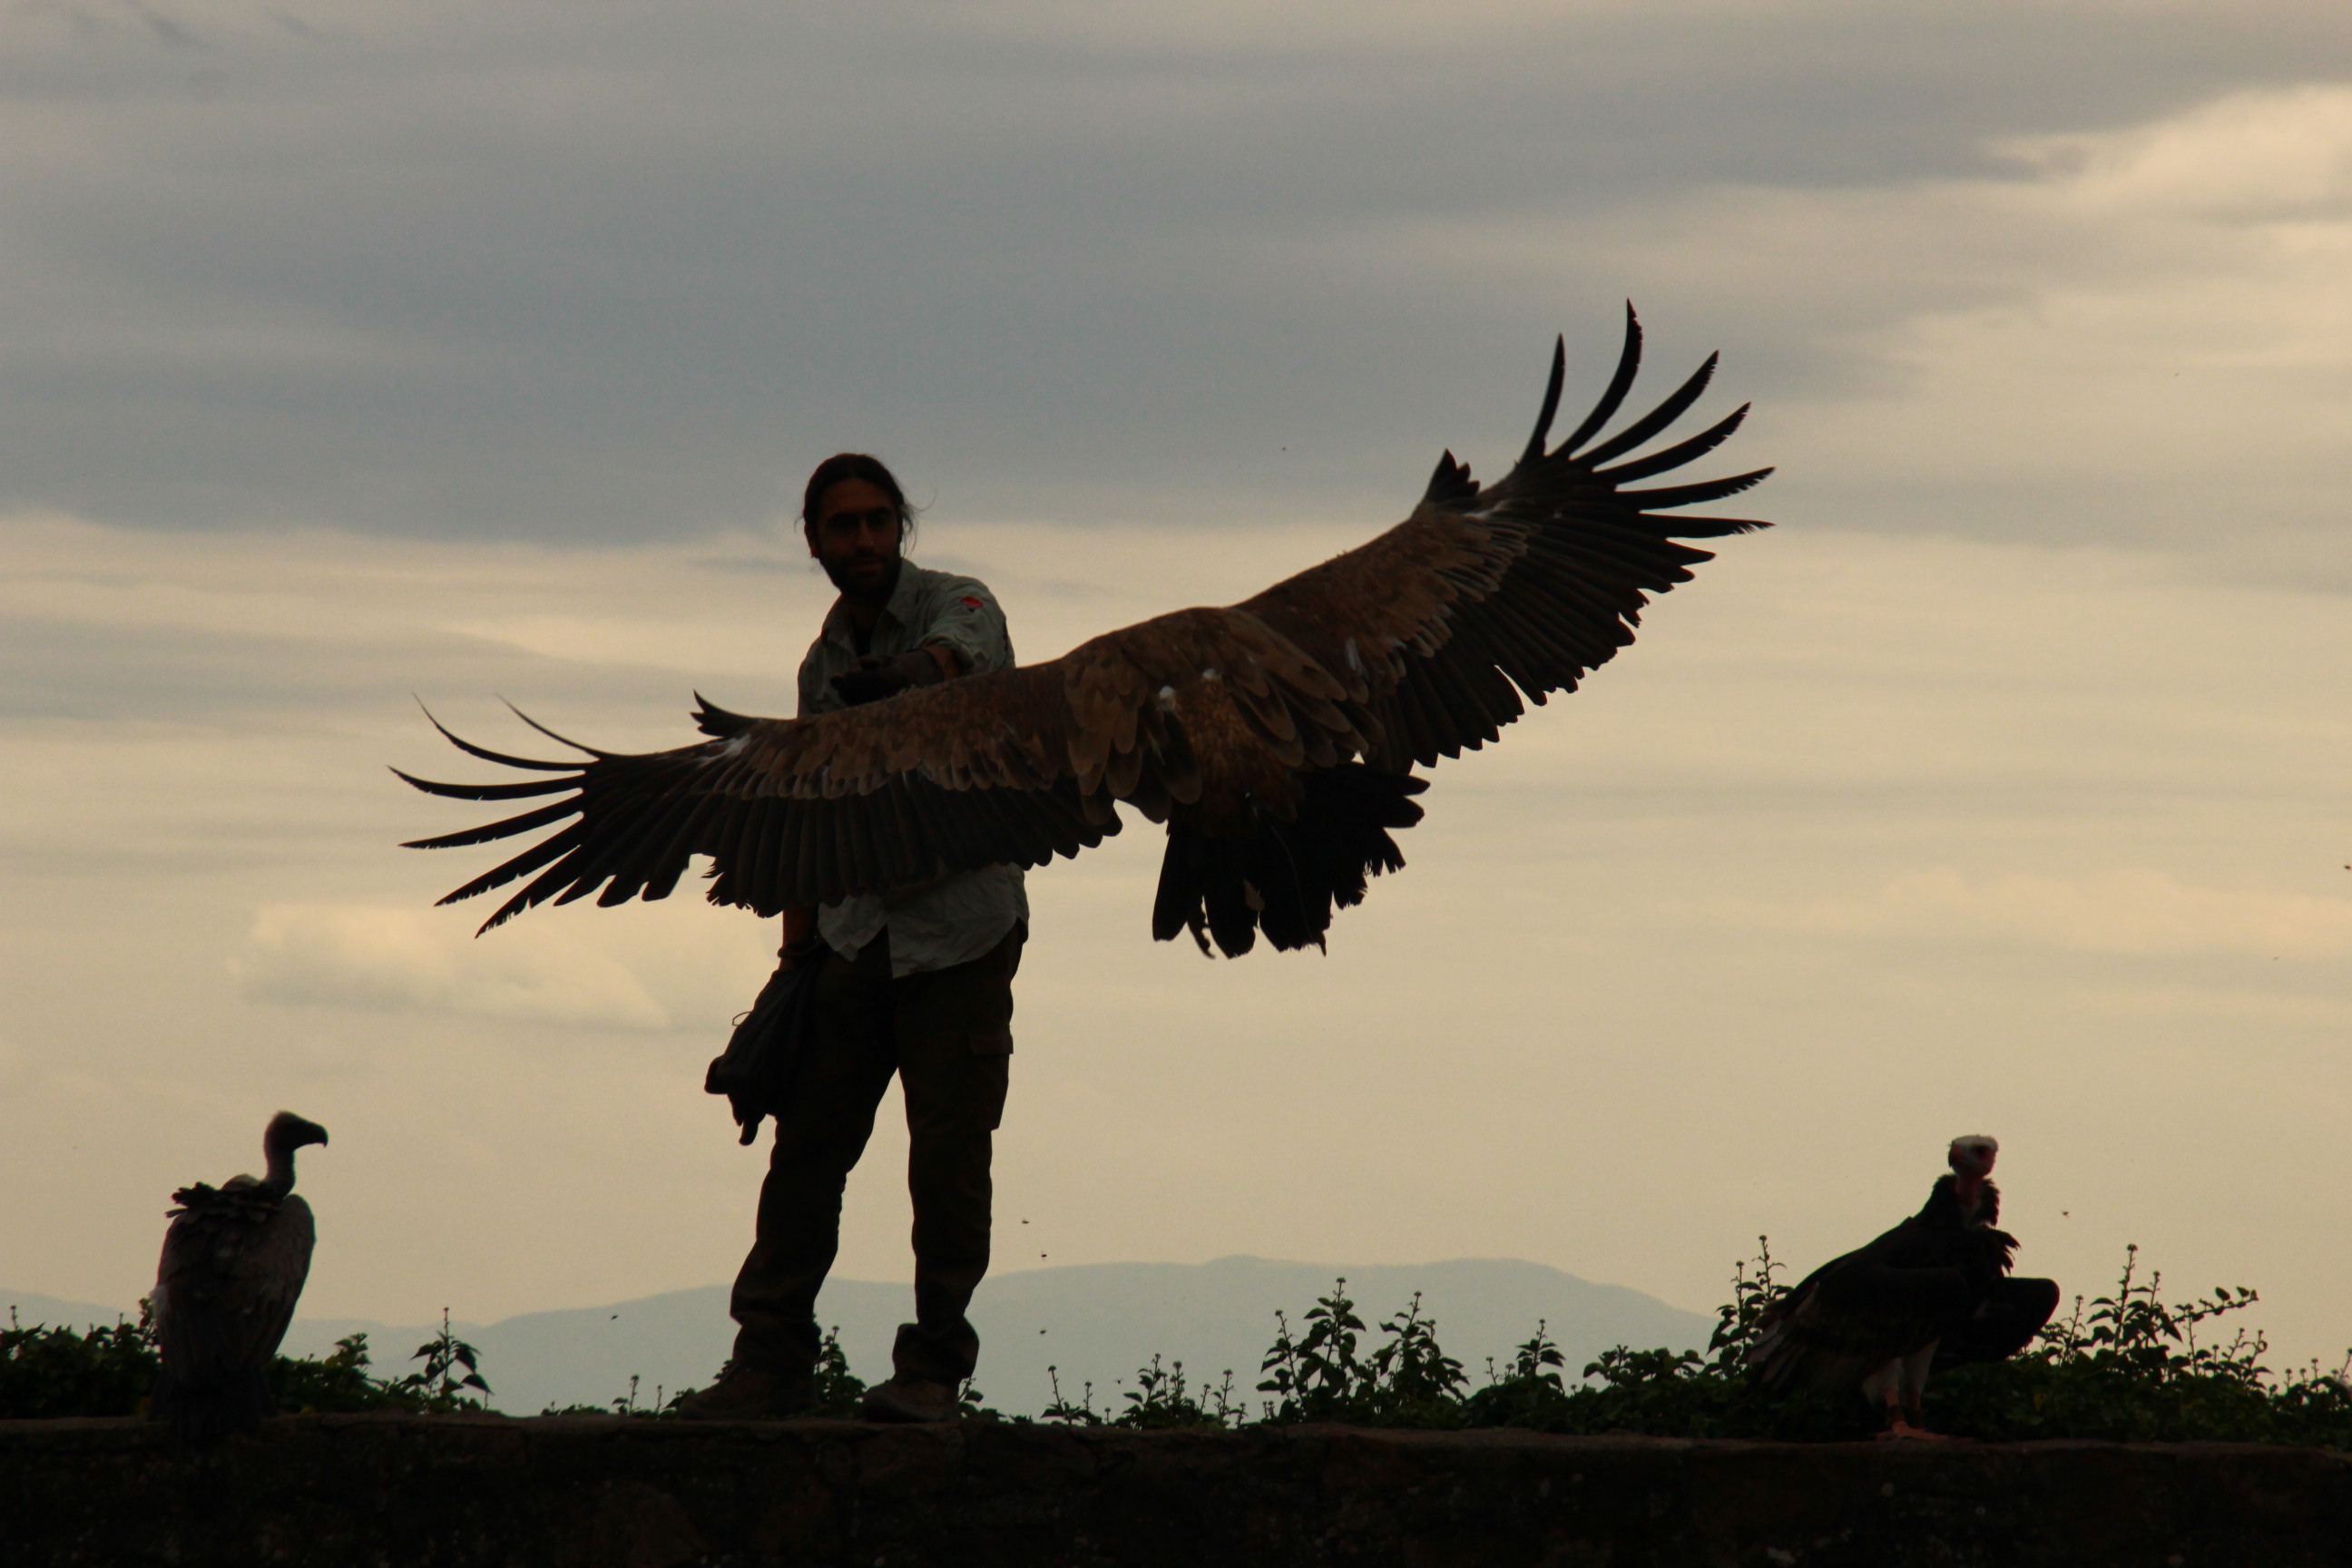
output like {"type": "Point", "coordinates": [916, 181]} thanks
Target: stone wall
{"type": "Point", "coordinates": [419, 1492]}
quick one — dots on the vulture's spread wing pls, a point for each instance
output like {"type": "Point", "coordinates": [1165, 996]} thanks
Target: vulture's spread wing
{"type": "Point", "coordinates": [1539, 579]}
{"type": "Point", "coordinates": [970, 773]}
{"type": "Point", "coordinates": [1229, 723]}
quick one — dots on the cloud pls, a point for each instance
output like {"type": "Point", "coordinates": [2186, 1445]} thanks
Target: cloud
{"type": "Point", "coordinates": [401, 959]}
{"type": "Point", "coordinates": [625, 272]}
{"type": "Point", "coordinates": [2259, 157]}
{"type": "Point", "coordinates": [2136, 913]}
{"type": "Point", "coordinates": [2123, 336]}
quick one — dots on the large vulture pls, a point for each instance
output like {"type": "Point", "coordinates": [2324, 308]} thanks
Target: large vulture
{"type": "Point", "coordinates": [235, 1260]}
{"type": "Point", "coordinates": [1275, 738]}
{"type": "Point", "coordinates": [1937, 1287]}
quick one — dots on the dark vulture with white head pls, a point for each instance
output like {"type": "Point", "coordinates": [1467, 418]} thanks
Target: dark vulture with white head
{"type": "Point", "coordinates": [235, 1260]}
{"type": "Point", "coordinates": [1936, 1288]}
{"type": "Point", "coordinates": [1275, 738]}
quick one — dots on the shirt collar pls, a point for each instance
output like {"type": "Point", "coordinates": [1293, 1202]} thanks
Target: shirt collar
{"type": "Point", "coordinates": [898, 608]}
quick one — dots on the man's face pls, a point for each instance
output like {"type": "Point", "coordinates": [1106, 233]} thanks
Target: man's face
{"type": "Point", "coordinates": [856, 539]}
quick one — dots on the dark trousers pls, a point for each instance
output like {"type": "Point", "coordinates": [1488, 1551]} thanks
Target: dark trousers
{"type": "Point", "coordinates": [947, 1034]}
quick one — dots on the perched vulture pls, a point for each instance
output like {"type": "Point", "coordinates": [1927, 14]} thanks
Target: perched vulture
{"type": "Point", "coordinates": [234, 1263]}
{"type": "Point", "coordinates": [1937, 1284]}
{"type": "Point", "coordinates": [1275, 738]}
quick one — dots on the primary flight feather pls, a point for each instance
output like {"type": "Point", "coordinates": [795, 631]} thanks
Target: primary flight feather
{"type": "Point", "coordinates": [1275, 738]}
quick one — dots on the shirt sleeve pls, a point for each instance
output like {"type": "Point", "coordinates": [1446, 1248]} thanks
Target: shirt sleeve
{"type": "Point", "coordinates": [966, 619]}
{"type": "Point", "coordinates": [814, 694]}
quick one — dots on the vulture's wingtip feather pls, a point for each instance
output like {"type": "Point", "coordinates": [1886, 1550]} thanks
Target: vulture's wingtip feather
{"type": "Point", "coordinates": [1629, 361]}
{"type": "Point", "coordinates": [487, 755]}
{"type": "Point", "coordinates": [559, 740]}
{"type": "Point", "coordinates": [1657, 418]}
{"type": "Point", "coordinates": [522, 791]}
{"type": "Point", "coordinates": [1550, 401]}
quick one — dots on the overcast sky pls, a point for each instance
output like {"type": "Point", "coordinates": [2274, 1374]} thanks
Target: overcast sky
{"type": "Point", "coordinates": [349, 351]}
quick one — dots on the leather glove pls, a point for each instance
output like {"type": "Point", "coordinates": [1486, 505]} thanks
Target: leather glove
{"type": "Point", "coordinates": [875, 679]}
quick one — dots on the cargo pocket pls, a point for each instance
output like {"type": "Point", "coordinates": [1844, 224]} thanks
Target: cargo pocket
{"type": "Point", "coordinates": [989, 1042]}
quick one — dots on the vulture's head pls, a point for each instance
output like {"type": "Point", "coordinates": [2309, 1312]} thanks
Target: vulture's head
{"type": "Point", "coordinates": [1972, 1155]}
{"type": "Point", "coordinates": [289, 1133]}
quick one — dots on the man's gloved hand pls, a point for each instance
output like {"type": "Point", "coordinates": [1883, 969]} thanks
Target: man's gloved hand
{"type": "Point", "coordinates": [875, 679]}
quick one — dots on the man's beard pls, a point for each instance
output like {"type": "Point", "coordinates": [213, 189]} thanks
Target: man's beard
{"type": "Point", "coordinates": [879, 596]}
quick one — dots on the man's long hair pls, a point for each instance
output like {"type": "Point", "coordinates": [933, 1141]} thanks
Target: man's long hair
{"type": "Point", "coordinates": [858, 466]}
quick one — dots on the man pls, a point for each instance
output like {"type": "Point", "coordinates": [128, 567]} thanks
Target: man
{"type": "Point", "coordinates": [916, 982]}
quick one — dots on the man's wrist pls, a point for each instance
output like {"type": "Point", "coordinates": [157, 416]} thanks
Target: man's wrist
{"type": "Point", "coordinates": [876, 679]}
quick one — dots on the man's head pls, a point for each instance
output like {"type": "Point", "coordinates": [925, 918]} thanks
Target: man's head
{"type": "Point", "coordinates": [856, 521]}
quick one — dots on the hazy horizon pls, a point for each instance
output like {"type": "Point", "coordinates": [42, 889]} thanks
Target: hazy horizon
{"type": "Point", "coordinates": [1092, 1323]}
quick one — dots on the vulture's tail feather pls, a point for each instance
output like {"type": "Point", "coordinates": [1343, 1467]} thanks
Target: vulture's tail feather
{"type": "Point", "coordinates": [1284, 878]}
{"type": "Point", "coordinates": [1178, 902]}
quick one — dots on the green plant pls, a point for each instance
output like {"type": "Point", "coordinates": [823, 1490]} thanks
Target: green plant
{"type": "Point", "coordinates": [1752, 1295]}
{"type": "Point", "coordinates": [337, 1382]}
{"type": "Point", "coordinates": [839, 1392]}
{"type": "Point", "coordinates": [2131, 1366]}
{"type": "Point", "coordinates": [1407, 1381]}
{"type": "Point", "coordinates": [1529, 1391]}
{"type": "Point", "coordinates": [436, 1387]}
{"type": "Point", "coordinates": [48, 1372]}
{"type": "Point", "coordinates": [107, 1371]}
{"type": "Point", "coordinates": [1079, 1415]}
{"type": "Point", "coordinates": [1161, 1400]}
{"type": "Point", "coordinates": [1315, 1376]}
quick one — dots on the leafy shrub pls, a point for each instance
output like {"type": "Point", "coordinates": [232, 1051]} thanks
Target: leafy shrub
{"type": "Point", "coordinates": [1408, 1381]}
{"type": "Point", "coordinates": [1159, 1401]}
{"type": "Point", "coordinates": [2126, 1366]}
{"type": "Point", "coordinates": [48, 1372]}
{"type": "Point", "coordinates": [109, 1370]}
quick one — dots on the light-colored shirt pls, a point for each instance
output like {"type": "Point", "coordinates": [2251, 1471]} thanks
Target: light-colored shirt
{"type": "Point", "coordinates": [951, 920]}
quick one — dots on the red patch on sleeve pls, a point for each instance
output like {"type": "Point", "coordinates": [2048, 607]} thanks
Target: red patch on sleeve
{"type": "Point", "coordinates": [975, 604]}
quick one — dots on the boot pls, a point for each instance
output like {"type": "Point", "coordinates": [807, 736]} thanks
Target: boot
{"type": "Point", "coordinates": [750, 1393]}
{"type": "Point", "coordinates": [909, 1399]}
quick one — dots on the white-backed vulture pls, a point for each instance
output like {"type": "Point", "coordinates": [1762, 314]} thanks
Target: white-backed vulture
{"type": "Point", "coordinates": [1936, 1286]}
{"type": "Point", "coordinates": [1275, 738]}
{"type": "Point", "coordinates": [235, 1260]}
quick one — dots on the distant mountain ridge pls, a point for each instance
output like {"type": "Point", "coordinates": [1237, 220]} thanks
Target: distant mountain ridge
{"type": "Point", "coordinates": [1096, 1322]}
